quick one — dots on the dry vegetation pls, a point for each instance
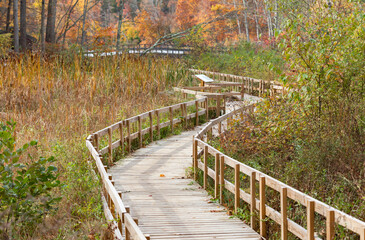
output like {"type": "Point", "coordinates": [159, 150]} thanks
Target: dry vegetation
{"type": "Point", "coordinates": [59, 101]}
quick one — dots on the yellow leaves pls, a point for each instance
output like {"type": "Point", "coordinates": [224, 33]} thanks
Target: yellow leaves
{"type": "Point", "coordinates": [217, 7]}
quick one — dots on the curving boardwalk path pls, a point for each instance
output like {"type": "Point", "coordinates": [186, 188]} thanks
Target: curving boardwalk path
{"type": "Point", "coordinates": [166, 203]}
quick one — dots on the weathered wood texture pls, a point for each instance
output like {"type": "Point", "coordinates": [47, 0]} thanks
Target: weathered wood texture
{"type": "Point", "coordinates": [249, 84]}
{"type": "Point", "coordinates": [166, 203]}
{"type": "Point", "coordinates": [313, 206]}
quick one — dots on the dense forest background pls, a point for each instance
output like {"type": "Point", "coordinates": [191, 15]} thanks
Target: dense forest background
{"type": "Point", "coordinates": [60, 24]}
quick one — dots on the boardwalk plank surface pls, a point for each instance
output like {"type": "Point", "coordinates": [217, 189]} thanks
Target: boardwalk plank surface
{"type": "Point", "coordinates": [170, 206]}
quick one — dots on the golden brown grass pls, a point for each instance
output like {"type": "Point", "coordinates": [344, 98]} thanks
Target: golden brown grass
{"type": "Point", "coordinates": [60, 100]}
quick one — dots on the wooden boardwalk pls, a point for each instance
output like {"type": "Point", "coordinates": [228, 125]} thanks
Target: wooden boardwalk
{"type": "Point", "coordinates": [166, 203]}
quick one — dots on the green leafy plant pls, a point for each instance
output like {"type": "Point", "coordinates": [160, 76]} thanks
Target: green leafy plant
{"type": "Point", "coordinates": [26, 190]}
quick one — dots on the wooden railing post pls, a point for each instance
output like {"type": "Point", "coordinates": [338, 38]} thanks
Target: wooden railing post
{"type": "Point", "coordinates": [206, 154]}
{"type": "Point", "coordinates": [96, 142]}
{"type": "Point", "coordinates": [216, 181]}
{"type": "Point", "coordinates": [237, 193]}
{"type": "Point", "coordinates": [186, 115]}
{"type": "Point", "coordinates": [362, 235]}
{"type": "Point", "coordinates": [121, 136]}
{"type": "Point", "coordinates": [129, 136]}
{"type": "Point", "coordinates": [197, 113]}
{"type": "Point", "coordinates": [219, 128]}
{"type": "Point", "coordinates": [262, 207]}
{"type": "Point", "coordinates": [158, 124]}
{"type": "Point", "coordinates": [171, 119]}
{"type": "Point", "coordinates": [151, 125]}
{"type": "Point", "coordinates": [120, 226]}
{"type": "Point", "coordinates": [284, 213]}
{"type": "Point", "coordinates": [182, 115]}
{"type": "Point", "coordinates": [140, 136]}
{"type": "Point", "coordinates": [310, 219]}
{"type": "Point", "coordinates": [221, 178]}
{"type": "Point", "coordinates": [330, 225]}
{"type": "Point", "coordinates": [195, 159]}
{"type": "Point", "coordinates": [207, 109]}
{"type": "Point", "coordinates": [110, 146]}
{"type": "Point", "coordinates": [253, 199]}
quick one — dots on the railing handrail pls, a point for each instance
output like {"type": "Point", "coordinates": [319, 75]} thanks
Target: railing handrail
{"type": "Point", "coordinates": [331, 214]}
{"type": "Point", "coordinates": [113, 198]}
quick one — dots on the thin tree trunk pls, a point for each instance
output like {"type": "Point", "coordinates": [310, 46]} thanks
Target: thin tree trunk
{"type": "Point", "coordinates": [120, 20]}
{"type": "Point", "coordinates": [238, 20]}
{"type": "Point", "coordinates": [51, 22]}
{"type": "Point", "coordinates": [7, 28]}
{"type": "Point", "coordinates": [16, 26]}
{"type": "Point", "coordinates": [257, 20]}
{"type": "Point", "coordinates": [269, 20]}
{"type": "Point", "coordinates": [246, 21]}
{"type": "Point", "coordinates": [83, 33]}
{"type": "Point", "coordinates": [43, 18]}
{"type": "Point", "coordinates": [276, 20]}
{"type": "Point", "coordinates": [67, 22]}
{"type": "Point", "coordinates": [23, 25]}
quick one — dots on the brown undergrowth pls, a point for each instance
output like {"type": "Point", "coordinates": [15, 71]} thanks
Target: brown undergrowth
{"type": "Point", "coordinates": [59, 101]}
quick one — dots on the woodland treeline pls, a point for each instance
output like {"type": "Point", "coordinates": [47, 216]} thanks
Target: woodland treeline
{"type": "Point", "coordinates": [58, 24]}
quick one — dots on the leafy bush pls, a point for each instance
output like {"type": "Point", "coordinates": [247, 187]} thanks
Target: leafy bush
{"type": "Point", "coordinates": [26, 194]}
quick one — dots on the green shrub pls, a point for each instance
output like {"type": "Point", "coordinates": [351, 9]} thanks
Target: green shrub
{"type": "Point", "coordinates": [5, 43]}
{"type": "Point", "coordinates": [26, 194]}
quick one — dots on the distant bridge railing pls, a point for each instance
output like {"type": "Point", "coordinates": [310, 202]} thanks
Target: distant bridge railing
{"type": "Point", "coordinates": [158, 50]}
{"type": "Point", "coordinates": [201, 152]}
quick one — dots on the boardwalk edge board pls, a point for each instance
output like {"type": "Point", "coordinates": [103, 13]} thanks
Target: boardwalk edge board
{"type": "Point", "coordinates": [132, 128]}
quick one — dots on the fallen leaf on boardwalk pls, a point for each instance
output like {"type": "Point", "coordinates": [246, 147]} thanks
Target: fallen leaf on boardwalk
{"type": "Point", "coordinates": [217, 210]}
{"type": "Point", "coordinates": [162, 175]}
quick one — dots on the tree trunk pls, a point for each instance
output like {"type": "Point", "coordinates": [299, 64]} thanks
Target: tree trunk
{"type": "Point", "coordinates": [51, 22]}
{"type": "Point", "coordinates": [257, 20]}
{"type": "Point", "coordinates": [16, 26]}
{"type": "Point", "coordinates": [83, 33]}
{"type": "Point", "coordinates": [23, 25]}
{"type": "Point", "coordinates": [7, 28]}
{"type": "Point", "coordinates": [41, 37]}
{"type": "Point", "coordinates": [238, 20]}
{"type": "Point", "coordinates": [120, 20]}
{"type": "Point", "coordinates": [246, 21]}
{"type": "Point", "coordinates": [269, 20]}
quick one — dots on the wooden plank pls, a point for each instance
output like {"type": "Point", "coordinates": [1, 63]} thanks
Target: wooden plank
{"type": "Point", "coordinates": [206, 154]}
{"type": "Point", "coordinates": [121, 136]}
{"type": "Point", "coordinates": [310, 220]}
{"type": "Point", "coordinates": [140, 136]}
{"type": "Point", "coordinates": [171, 120]}
{"type": "Point", "coordinates": [216, 182]}
{"type": "Point", "coordinates": [129, 136]}
{"type": "Point", "coordinates": [221, 178]}
{"type": "Point", "coordinates": [195, 159]}
{"type": "Point", "coordinates": [330, 225]}
{"type": "Point", "coordinates": [132, 228]}
{"type": "Point", "coordinates": [253, 199]}
{"type": "Point", "coordinates": [284, 213]}
{"type": "Point", "coordinates": [197, 114]}
{"type": "Point", "coordinates": [110, 146]}
{"type": "Point", "coordinates": [158, 124]}
{"type": "Point", "coordinates": [237, 193]}
{"type": "Point", "coordinates": [150, 115]}
{"type": "Point", "coordinates": [262, 208]}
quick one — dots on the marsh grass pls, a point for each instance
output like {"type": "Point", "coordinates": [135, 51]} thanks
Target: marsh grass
{"type": "Point", "coordinates": [60, 100]}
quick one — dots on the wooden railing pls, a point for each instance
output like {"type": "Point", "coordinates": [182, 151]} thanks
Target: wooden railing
{"type": "Point", "coordinates": [125, 133]}
{"type": "Point", "coordinates": [251, 85]}
{"type": "Point", "coordinates": [201, 152]}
